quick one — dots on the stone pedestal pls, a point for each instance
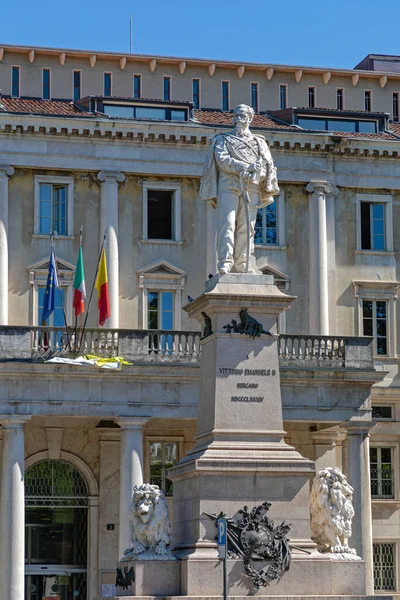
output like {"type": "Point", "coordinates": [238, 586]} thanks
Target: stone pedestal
{"type": "Point", "coordinates": [240, 457]}
{"type": "Point", "coordinates": [152, 578]}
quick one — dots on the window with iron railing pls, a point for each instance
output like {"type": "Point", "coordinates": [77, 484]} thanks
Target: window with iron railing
{"type": "Point", "coordinates": [384, 556]}
{"type": "Point", "coordinates": [381, 468]}
{"type": "Point", "coordinates": [163, 456]}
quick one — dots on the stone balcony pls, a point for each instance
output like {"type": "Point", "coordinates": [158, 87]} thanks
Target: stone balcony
{"type": "Point", "coordinates": [323, 378]}
{"type": "Point", "coordinates": [142, 346]}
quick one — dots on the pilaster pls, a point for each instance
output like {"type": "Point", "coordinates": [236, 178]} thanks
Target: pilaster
{"type": "Point", "coordinates": [328, 448]}
{"type": "Point", "coordinates": [109, 225]}
{"type": "Point", "coordinates": [6, 171]}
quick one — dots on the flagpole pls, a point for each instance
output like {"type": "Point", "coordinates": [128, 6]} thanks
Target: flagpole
{"type": "Point", "coordinates": [91, 293]}
{"type": "Point", "coordinates": [76, 318]}
{"type": "Point", "coordinates": [59, 289]}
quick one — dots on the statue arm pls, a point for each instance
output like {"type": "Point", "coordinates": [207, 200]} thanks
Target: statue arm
{"type": "Point", "coordinates": [225, 161]}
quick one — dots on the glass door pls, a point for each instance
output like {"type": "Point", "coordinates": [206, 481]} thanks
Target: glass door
{"type": "Point", "coordinates": [55, 586]}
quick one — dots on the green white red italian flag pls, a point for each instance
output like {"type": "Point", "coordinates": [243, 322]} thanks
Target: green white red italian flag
{"type": "Point", "coordinates": [79, 286]}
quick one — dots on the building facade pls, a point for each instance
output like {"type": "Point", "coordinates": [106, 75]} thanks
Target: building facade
{"type": "Point", "coordinates": [116, 144]}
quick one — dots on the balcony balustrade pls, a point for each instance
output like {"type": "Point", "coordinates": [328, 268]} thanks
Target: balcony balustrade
{"type": "Point", "coordinates": [141, 346]}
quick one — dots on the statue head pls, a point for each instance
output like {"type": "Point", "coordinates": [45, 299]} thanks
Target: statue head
{"type": "Point", "coordinates": [242, 115]}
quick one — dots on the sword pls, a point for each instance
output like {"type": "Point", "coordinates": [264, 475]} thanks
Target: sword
{"type": "Point", "coordinates": [246, 202]}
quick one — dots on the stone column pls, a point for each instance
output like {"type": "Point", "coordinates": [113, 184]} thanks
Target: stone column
{"type": "Point", "coordinates": [109, 225]}
{"type": "Point", "coordinates": [359, 477]}
{"type": "Point", "coordinates": [131, 471]}
{"type": "Point", "coordinates": [328, 448]}
{"type": "Point", "coordinates": [5, 172]}
{"type": "Point", "coordinates": [331, 245]}
{"type": "Point", "coordinates": [318, 258]}
{"type": "Point", "coordinates": [12, 509]}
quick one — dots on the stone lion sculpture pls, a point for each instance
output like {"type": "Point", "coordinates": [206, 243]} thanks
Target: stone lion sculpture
{"type": "Point", "coordinates": [150, 525]}
{"type": "Point", "coordinates": [332, 511]}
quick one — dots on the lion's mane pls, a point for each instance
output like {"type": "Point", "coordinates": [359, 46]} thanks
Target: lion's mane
{"type": "Point", "coordinates": [331, 511]}
{"type": "Point", "coordinates": [158, 529]}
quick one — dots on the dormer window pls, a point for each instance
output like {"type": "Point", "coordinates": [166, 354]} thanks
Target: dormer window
{"type": "Point", "coordinates": [335, 124]}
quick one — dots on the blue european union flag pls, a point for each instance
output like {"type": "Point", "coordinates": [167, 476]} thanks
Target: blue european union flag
{"type": "Point", "coordinates": [51, 287]}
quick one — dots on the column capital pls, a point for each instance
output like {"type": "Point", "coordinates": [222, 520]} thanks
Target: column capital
{"type": "Point", "coordinates": [357, 427]}
{"type": "Point", "coordinates": [6, 171]}
{"type": "Point", "coordinates": [132, 422]}
{"type": "Point", "coordinates": [118, 176]}
{"type": "Point", "coordinates": [328, 436]}
{"type": "Point", "coordinates": [322, 188]}
{"type": "Point", "coordinates": [14, 421]}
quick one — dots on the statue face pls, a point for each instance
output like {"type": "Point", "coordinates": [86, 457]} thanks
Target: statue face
{"type": "Point", "coordinates": [241, 118]}
{"type": "Point", "coordinates": [145, 509]}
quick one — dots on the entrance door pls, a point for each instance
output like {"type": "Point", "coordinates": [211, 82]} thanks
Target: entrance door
{"type": "Point", "coordinates": [56, 502]}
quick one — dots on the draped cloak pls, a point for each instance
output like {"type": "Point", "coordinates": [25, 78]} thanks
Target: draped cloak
{"type": "Point", "coordinates": [209, 181]}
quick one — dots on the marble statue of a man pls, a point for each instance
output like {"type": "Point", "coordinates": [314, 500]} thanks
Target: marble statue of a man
{"type": "Point", "coordinates": [239, 177]}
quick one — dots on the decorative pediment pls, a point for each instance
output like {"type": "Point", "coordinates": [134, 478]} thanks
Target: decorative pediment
{"type": "Point", "coordinates": [279, 276]}
{"type": "Point", "coordinates": [161, 272]}
{"type": "Point", "coordinates": [38, 270]}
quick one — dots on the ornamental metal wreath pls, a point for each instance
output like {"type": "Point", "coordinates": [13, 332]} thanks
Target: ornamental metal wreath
{"type": "Point", "coordinates": [252, 536]}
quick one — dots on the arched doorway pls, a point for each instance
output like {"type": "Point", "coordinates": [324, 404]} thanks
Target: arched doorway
{"type": "Point", "coordinates": [56, 525]}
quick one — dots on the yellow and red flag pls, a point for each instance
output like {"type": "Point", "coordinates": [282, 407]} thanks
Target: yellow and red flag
{"type": "Point", "coordinates": [102, 290]}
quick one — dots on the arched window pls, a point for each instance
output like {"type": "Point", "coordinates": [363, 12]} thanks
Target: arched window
{"type": "Point", "coordinates": [56, 525]}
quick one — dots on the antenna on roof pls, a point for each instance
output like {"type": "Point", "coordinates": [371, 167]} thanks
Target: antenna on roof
{"type": "Point", "coordinates": [130, 34]}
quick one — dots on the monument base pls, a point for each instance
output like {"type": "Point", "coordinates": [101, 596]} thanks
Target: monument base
{"type": "Point", "coordinates": [311, 577]}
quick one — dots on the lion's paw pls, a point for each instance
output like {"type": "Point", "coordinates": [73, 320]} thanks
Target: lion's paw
{"type": "Point", "coordinates": [135, 549]}
{"type": "Point", "coordinates": [161, 549]}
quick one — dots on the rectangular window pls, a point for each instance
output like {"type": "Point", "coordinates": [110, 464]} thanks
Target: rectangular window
{"type": "Point", "coordinates": [266, 228]}
{"type": "Point", "coordinates": [46, 84]}
{"type": "Point", "coordinates": [396, 99]}
{"type": "Point", "coordinates": [225, 96]}
{"type": "Point", "coordinates": [137, 86]}
{"type": "Point", "coordinates": [77, 85]}
{"type": "Point", "coordinates": [56, 319]}
{"type": "Point", "coordinates": [196, 93]}
{"type": "Point", "coordinates": [339, 98]}
{"type": "Point", "coordinates": [382, 413]}
{"type": "Point", "coordinates": [15, 82]}
{"type": "Point", "coordinates": [160, 214]}
{"type": "Point", "coordinates": [374, 320]}
{"type": "Point", "coordinates": [254, 97]}
{"type": "Point", "coordinates": [368, 100]}
{"type": "Point", "coordinates": [163, 456]}
{"type": "Point", "coordinates": [373, 226]}
{"type": "Point", "coordinates": [167, 89]}
{"type": "Point", "coordinates": [381, 466]}
{"type": "Point", "coordinates": [282, 96]}
{"type": "Point", "coordinates": [160, 310]}
{"type": "Point", "coordinates": [384, 558]}
{"type": "Point", "coordinates": [311, 96]}
{"type": "Point", "coordinates": [107, 84]}
{"type": "Point", "coordinates": [53, 209]}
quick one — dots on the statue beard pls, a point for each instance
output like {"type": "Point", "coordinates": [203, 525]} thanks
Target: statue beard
{"type": "Point", "coordinates": [241, 130]}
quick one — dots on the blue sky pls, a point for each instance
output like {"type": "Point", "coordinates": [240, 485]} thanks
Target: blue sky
{"type": "Point", "coordinates": [314, 32]}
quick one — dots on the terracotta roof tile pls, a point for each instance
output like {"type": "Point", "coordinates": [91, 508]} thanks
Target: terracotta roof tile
{"type": "Point", "coordinates": [395, 127]}
{"type": "Point", "coordinates": [214, 117]}
{"type": "Point", "coordinates": [204, 117]}
{"type": "Point", "coordinates": [41, 107]}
